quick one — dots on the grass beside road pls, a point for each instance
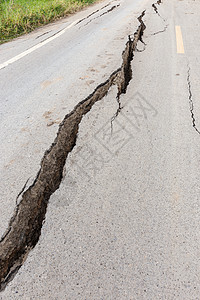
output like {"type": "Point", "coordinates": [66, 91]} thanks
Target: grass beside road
{"type": "Point", "coordinates": [22, 16]}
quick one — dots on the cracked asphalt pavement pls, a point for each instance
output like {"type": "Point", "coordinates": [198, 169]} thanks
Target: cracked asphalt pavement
{"type": "Point", "coordinates": [100, 158]}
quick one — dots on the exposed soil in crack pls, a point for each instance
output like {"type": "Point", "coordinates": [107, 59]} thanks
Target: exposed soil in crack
{"type": "Point", "coordinates": [26, 223]}
{"type": "Point", "coordinates": [191, 102]}
{"type": "Point", "coordinates": [143, 27]}
{"type": "Point", "coordinates": [127, 72]}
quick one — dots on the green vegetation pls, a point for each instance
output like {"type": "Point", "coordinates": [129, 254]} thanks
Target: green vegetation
{"type": "Point", "coordinates": [22, 16]}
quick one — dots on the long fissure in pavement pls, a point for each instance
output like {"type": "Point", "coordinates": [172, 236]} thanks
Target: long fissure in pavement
{"type": "Point", "coordinates": [26, 223]}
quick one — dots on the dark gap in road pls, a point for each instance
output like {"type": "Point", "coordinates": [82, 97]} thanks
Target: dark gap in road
{"type": "Point", "coordinates": [127, 71]}
{"type": "Point", "coordinates": [191, 101]}
{"type": "Point", "coordinates": [42, 34]}
{"type": "Point", "coordinates": [50, 36]}
{"type": "Point", "coordinates": [25, 226]}
{"type": "Point", "coordinates": [155, 7]}
{"type": "Point", "coordinates": [80, 21]}
{"type": "Point", "coordinates": [143, 27]}
{"type": "Point", "coordinates": [106, 12]}
{"type": "Point", "coordinates": [93, 13]}
{"type": "Point", "coordinates": [157, 12]}
{"type": "Point", "coordinates": [127, 74]}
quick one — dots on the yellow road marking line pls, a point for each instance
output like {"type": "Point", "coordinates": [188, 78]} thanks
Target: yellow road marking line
{"type": "Point", "coordinates": [179, 40]}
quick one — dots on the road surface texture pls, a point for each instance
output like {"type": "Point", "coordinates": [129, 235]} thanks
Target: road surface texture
{"type": "Point", "coordinates": [111, 210]}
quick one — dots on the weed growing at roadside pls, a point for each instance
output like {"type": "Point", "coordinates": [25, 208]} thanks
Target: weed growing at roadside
{"type": "Point", "coordinates": [21, 16]}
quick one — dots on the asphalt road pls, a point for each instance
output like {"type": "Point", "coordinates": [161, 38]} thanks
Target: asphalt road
{"type": "Point", "coordinates": [124, 221]}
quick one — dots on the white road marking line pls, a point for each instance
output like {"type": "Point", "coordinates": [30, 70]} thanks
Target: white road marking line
{"type": "Point", "coordinates": [179, 40]}
{"type": "Point", "coordinates": [17, 57]}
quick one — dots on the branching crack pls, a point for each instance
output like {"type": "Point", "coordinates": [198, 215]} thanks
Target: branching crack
{"type": "Point", "coordinates": [25, 226]}
{"type": "Point", "coordinates": [157, 12]}
{"type": "Point", "coordinates": [127, 70]}
{"type": "Point", "coordinates": [191, 101]}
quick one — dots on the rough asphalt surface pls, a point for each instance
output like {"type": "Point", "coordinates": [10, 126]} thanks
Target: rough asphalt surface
{"type": "Point", "coordinates": [124, 221]}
